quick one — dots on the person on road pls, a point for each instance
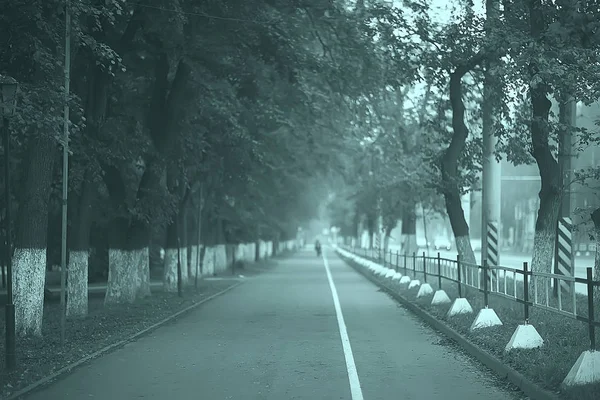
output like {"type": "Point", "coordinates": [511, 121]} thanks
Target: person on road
{"type": "Point", "coordinates": [318, 248]}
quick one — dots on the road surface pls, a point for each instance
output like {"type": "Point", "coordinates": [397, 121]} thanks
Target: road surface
{"type": "Point", "coordinates": [308, 329]}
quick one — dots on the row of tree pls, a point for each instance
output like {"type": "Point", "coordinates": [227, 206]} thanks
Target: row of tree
{"type": "Point", "coordinates": [451, 73]}
{"type": "Point", "coordinates": [240, 117]}
{"type": "Point", "coordinates": [222, 114]}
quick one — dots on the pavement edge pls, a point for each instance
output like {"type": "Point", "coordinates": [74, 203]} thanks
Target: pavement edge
{"type": "Point", "coordinates": [531, 389]}
{"type": "Point", "coordinates": [105, 350]}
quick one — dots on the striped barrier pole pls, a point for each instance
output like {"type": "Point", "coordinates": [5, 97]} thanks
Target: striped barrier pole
{"type": "Point", "coordinates": [563, 253]}
{"type": "Point", "coordinates": [492, 255]}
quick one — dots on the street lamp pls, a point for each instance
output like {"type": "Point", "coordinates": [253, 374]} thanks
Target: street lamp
{"type": "Point", "coordinates": [8, 104]}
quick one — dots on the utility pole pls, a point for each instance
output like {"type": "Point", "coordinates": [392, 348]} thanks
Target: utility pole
{"type": "Point", "coordinates": [65, 182]}
{"type": "Point", "coordinates": [492, 173]}
{"type": "Point", "coordinates": [8, 104]}
{"type": "Point", "coordinates": [563, 249]}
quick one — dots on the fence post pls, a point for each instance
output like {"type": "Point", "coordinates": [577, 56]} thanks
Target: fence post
{"type": "Point", "coordinates": [439, 265]}
{"type": "Point", "coordinates": [424, 268]}
{"type": "Point", "coordinates": [590, 292]}
{"type": "Point", "coordinates": [405, 262]}
{"type": "Point", "coordinates": [397, 259]}
{"type": "Point", "coordinates": [525, 291]}
{"type": "Point", "coordinates": [485, 282]}
{"type": "Point", "coordinates": [458, 268]}
{"type": "Point", "coordinates": [414, 264]}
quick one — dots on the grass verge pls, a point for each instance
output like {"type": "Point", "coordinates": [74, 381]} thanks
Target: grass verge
{"type": "Point", "coordinates": [564, 338]}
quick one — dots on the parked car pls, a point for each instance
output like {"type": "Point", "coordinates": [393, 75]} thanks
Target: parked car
{"type": "Point", "coordinates": [442, 243]}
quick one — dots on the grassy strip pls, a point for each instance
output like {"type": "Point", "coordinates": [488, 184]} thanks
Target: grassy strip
{"type": "Point", "coordinates": [564, 338]}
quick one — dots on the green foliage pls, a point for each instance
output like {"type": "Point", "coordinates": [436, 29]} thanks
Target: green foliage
{"type": "Point", "coordinates": [282, 99]}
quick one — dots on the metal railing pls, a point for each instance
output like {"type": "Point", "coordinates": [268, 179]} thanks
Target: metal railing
{"type": "Point", "coordinates": [505, 282]}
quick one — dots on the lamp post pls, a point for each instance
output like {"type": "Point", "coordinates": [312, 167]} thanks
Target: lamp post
{"type": "Point", "coordinates": [8, 104]}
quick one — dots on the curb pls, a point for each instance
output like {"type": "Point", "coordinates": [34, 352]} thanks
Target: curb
{"type": "Point", "coordinates": [531, 389]}
{"type": "Point", "coordinates": [63, 371]}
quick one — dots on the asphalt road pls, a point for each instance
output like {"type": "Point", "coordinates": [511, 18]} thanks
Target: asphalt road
{"type": "Point", "coordinates": [297, 332]}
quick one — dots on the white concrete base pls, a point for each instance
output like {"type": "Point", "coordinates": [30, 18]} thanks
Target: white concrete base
{"type": "Point", "coordinates": [486, 318]}
{"type": "Point", "coordinates": [460, 306]}
{"type": "Point", "coordinates": [440, 297]}
{"type": "Point", "coordinates": [425, 290]}
{"type": "Point", "coordinates": [414, 283]}
{"type": "Point", "coordinates": [397, 276]}
{"type": "Point", "coordinates": [525, 337]}
{"type": "Point", "coordinates": [585, 371]}
{"type": "Point", "coordinates": [390, 273]}
{"type": "Point", "coordinates": [405, 280]}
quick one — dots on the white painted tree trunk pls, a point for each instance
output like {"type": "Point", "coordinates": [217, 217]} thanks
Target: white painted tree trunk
{"type": "Point", "coordinates": [209, 261]}
{"type": "Point", "coordinates": [469, 274]}
{"type": "Point", "coordinates": [77, 284]}
{"type": "Point", "coordinates": [29, 277]}
{"type": "Point", "coordinates": [170, 276]}
{"type": "Point", "coordinates": [464, 249]}
{"type": "Point", "coordinates": [122, 276]}
{"type": "Point", "coordinates": [410, 244]}
{"type": "Point", "coordinates": [386, 244]}
{"type": "Point", "coordinates": [143, 270]}
{"type": "Point", "coordinates": [184, 266]}
{"type": "Point", "coordinates": [220, 257]}
{"type": "Point", "coordinates": [193, 266]}
{"type": "Point", "coordinates": [543, 252]}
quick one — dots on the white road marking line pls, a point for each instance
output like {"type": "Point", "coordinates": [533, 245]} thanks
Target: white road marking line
{"type": "Point", "coordinates": [355, 388]}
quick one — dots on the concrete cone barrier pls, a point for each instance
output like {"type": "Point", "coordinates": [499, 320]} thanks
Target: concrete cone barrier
{"type": "Point", "coordinates": [460, 306]}
{"type": "Point", "coordinates": [440, 297]}
{"type": "Point", "coordinates": [524, 337]}
{"type": "Point", "coordinates": [486, 318]}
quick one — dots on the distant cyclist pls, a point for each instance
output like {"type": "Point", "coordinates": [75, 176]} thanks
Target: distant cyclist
{"type": "Point", "coordinates": [318, 248]}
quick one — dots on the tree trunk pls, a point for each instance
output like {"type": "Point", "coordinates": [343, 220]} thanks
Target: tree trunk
{"type": "Point", "coordinates": [129, 258]}
{"type": "Point", "coordinates": [79, 235]}
{"type": "Point", "coordinates": [128, 262]}
{"type": "Point", "coordinates": [183, 244]}
{"type": "Point", "coordinates": [550, 192]}
{"type": "Point", "coordinates": [409, 230]}
{"type": "Point", "coordinates": [170, 266]}
{"type": "Point", "coordinates": [191, 241]}
{"type": "Point", "coordinates": [29, 257]}
{"type": "Point", "coordinates": [202, 249]}
{"type": "Point", "coordinates": [386, 238]}
{"type": "Point", "coordinates": [451, 184]}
